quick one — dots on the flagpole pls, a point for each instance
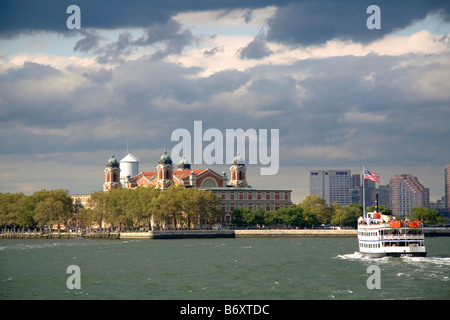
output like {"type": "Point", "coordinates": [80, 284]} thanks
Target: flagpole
{"type": "Point", "coordinates": [363, 195]}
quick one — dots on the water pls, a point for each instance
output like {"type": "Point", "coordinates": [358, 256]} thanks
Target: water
{"type": "Point", "coordinates": [256, 268]}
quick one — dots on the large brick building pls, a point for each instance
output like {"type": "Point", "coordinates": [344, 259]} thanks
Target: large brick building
{"type": "Point", "coordinates": [234, 192]}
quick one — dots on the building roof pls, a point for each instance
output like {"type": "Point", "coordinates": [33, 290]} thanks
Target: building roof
{"type": "Point", "coordinates": [238, 160]}
{"type": "Point", "coordinates": [130, 158]}
{"type": "Point", "coordinates": [112, 162]}
{"type": "Point", "coordinates": [165, 158]}
{"type": "Point", "coordinates": [184, 174]}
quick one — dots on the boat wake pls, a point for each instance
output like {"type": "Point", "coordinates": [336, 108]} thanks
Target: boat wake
{"type": "Point", "coordinates": [437, 260]}
{"type": "Point", "coordinates": [356, 256]}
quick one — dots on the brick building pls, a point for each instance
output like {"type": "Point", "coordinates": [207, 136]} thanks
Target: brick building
{"type": "Point", "coordinates": [234, 192]}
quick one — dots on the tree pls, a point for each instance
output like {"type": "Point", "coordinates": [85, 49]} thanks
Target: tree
{"type": "Point", "coordinates": [346, 216]}
{"type": "Point", "coordinates": [9, 208]}
{"type": "Point", "coordinates": [310, 218]}
{"type": "Point", "coordinates": [254, 216]}
{"type": "Point", "coordinates": [426, 215]}
{"type": "Point", "coordinates": [207, 205]}
{"type": "Point", "coordinates": [380, 209]}
{"type": "Point", "coordinates": [52, 207]}
{"type": "Point", "coordinates": [318, 206]}
{"type": "Point", "coordinates": [295, 216]}
{"type": "Point", "coordinates": [238, 216]}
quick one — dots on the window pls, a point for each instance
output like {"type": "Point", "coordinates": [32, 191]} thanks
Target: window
{"type": "Point", "coordinates": [209, 183]}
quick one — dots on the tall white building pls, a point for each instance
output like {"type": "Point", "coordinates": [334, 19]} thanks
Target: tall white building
{"type": "Point", "coordinates": [333, 185]}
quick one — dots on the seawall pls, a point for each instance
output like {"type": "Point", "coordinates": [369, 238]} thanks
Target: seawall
{"type": "Point", "coordinates": [272, 233]}
{"type": "Point", "coordinates": [183, 234]}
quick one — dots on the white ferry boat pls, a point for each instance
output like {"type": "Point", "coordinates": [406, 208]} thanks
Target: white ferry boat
{"type": "Point", "coordinates": [379, 235]}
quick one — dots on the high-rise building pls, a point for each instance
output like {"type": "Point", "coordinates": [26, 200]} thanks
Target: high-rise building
{"type": "Point", "coordinates": [333, 185]}
{"type": "Point", "coordinates": [383, 195]}
{"type": "Point", "coordinates": [405, 193]}
{"type": "Point", "coordinates": [447, 188]}
{"type": "Point", "coordinates": [370, 193]}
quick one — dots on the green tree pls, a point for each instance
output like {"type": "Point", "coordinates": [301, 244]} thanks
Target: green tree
{"type": "Point", "coordinates": [207, 205]}
{"type": "Point", "coordinates": [346, 216]}
{"type": "Point", "coordinates": [426, 215]}
{"type": "Point", "coordinates": [277, 217]}
{"type": "Point", "coordinates": [254, 216]}
{"type": "Point", "coordinates": [380, 209]}
{"type": "Point", "coordinates": [10, 209]}
{"type": "Point", "coordinates": [238, 216]}
{"type": "Point", "coordinates": [25, 214]}
{"type": "Point", "coordinates": [310, 218]}
{"type": "Point", "coordinates": [52, 207]}
{"type": "Point", "coordinates": [295, 216]}
{"type": "Point", "coordinates": [313, 204]}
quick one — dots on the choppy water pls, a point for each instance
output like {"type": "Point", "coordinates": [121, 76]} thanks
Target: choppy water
{"type": "Point", "coordinates": [256, 268]}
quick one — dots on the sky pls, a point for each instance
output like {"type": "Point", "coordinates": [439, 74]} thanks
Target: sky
{"type": "Point", "coordinates": [341, 94]}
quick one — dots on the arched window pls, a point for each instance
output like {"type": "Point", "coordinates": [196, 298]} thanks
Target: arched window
{"type": "Point", "coordinates": [209, 183]}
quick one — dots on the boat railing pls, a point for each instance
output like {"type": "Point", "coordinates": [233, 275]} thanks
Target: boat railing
{"type": "Point", "coordinates": [402, 237]}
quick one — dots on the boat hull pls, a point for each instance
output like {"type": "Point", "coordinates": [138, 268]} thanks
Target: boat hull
{"type": "Point", "coordinates": [393, 254]}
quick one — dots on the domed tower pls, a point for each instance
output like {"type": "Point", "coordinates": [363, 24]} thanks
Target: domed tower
{"type": "Point", "coordinates": [129, 167]}
{"type": "Point", "coordinates": [112, 174]}
{"type": "Point", "coordinates": [184, 165]}
{"type": "Point", "coordinates": [165, 171]}
{"type": "Point", "coordinates": [238, 173]}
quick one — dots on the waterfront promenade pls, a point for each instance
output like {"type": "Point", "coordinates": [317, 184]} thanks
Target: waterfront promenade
{"type": "Point", "coordinates": [184, 234]}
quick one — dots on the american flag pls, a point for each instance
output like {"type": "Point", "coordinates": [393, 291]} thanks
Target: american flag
{"type": "Point", "coordinates": [371, 176]}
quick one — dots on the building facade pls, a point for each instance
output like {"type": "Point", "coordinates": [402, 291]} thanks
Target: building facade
{"type": "Point", "coordinates": [405, 193]}
{"type": "Point", "coordinates": [234, 192]}
{"type": "Point", "coordinates": [333, 185]}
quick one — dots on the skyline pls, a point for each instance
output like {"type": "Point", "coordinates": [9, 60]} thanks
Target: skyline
{"type": "Point", "coordinates": [341, 95]}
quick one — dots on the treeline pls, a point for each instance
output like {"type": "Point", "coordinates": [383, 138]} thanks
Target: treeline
{"type": "Point", "coordinates": [42, 208]}
{"type": "Point", "coordinates": [175, 208]}
{"type": "Point", "coordinates": [311, 212]}
{"type": "Point", "coordinates": [314, 211]}
{"type": "Point", "coordinates": [146, 207]}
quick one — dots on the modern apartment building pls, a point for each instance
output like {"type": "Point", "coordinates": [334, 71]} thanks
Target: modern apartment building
{"type": "Point", "coordinates": [406, 192]}
{"type": "Point", "coordinates": [447, 188]}
{"type": "Point", "coordinates": [333, 185]}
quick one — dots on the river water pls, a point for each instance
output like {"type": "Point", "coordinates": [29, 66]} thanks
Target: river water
{"type": "Point", "coordinates": [194, 269]}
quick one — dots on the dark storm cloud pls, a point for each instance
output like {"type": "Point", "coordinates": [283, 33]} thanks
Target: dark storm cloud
{"type": "Point", "coordinates": [27, 16]}
{"type": "Point", "coordinates": [315, 22]}
{"type": "Point", "coordinates": [302, 22]}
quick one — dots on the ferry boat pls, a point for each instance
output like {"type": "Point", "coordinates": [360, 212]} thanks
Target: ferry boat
{"type": "Point", "coordinates": [379, 235]}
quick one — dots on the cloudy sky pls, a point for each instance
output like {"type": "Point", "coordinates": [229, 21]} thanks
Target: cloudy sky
{"type": "Point", "coordinates": [342, 95]}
